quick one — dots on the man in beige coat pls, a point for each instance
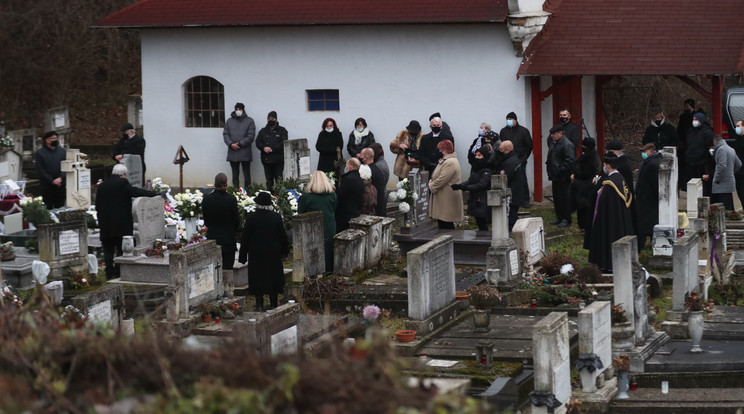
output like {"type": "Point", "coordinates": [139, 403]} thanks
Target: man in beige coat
{"type": "Point", "coordinates": [446, 204]}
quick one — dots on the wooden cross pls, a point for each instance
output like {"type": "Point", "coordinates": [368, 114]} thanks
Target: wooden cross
{"type": "Point", "coordinates": [181, 158]}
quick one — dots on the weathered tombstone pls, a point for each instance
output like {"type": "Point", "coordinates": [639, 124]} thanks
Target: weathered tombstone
{"type": "Point", "coordinates": [195, 276]}
{"type": "Point", "coordinates": [694, 191]}
{"type": "Point", "coordinates": [529, 236]}
{"type": "Point", "coordinates": [13, 223]}
{"type": "Point", "coordinates": [149, 221]}
{"type": "Point", "coordinates": [297, 159]}
{"type": "Point", "coordinates": [64, 245]}
{"type": "Point", "coordinates": [77, 176]}
{"type": "Point", "coordinates": [349, 251]}
{"type": "Point", "coordinates": [717, 237]}
{"type": "Point", "coordinates": [595, 343]}
{"type": "Point", "coordinates": [668, 210]}
{"type": "Point", "coordinates": [551, 353]}
{"type": "Point", "coordinates": [272, 333]}
{"type": "Point", "coordinates": [104, 305]}
{"type": "Point", "coordinates": [55, 290]}
{"type": "Point", "coordinates": [624, 254]}
{"type": "Point", "coordinates": [431, 277]}
{"type": "Point", "coordinates": [373, 247]}
{"type": "Point", "coordinates": [307, 246]}
{"type": "Point", "coordinates": [503, 253]}
{"type": "Point", "coordinates": [699, 226]}
{"type": "Point", "coordinates": [10, 165]}
{"type": "Point", "coordinates": [686, 278]}
{"type": "Point", "coordinates": [133, 162]}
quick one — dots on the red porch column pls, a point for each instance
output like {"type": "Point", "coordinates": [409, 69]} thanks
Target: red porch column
{"type": "Point", "coordinates": [536, 99]}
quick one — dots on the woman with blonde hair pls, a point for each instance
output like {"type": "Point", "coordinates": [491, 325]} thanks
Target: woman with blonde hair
{"type": "Point", "coordinates": [320, 195]}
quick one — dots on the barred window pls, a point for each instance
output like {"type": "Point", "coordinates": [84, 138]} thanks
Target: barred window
{"type": "Point", "coordinates": [205, 103]}
{"type": "Point", "coordinates": [322, 100]}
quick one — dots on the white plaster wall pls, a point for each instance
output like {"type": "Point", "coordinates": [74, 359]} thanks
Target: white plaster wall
{"type": "Point", "coordinates": [386, 74]}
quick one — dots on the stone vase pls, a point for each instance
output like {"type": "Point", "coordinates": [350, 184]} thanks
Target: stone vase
{"type": "Point", "coordinates": [622, 385]}
{"type": "Point", "coordinates": [481, 319]}
{"type": "Point", "coordinates": [695, 330]}
{"type": "Point", "coordinates": [171, 232]}
{"type": "Point", "coordinates": [623, 336]}
{"type": "Point", "coordinates": [127, 246]}
{"type": "Point", "coordinates": [190, 224]}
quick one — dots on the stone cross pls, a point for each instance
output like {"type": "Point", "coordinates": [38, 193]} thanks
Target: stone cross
{"type": "Point", "coordinates": [503, 255]}
{"type": "Point", "coordinates": [77, 176]}
{"type": "Point", "coordinates": [498, 198]}
{"type": "Point", "coordinates": [668, 188]}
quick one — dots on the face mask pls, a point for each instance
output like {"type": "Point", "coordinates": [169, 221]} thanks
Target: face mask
{"type": "Point", "coordinates": [711, 151]}
{"type": "Point", "coordinates": [329, 129]}
{"type": "Point", "coordinates": [54, 143]}
{"type": "Point", "coordinates": [739, 131]}
{"type": "Point", "coordinates": [687, 111]}
{"type": "Point", "coordinates": [564, 120]}
{"type": "Point", "coordinates": [272, 123]}
{"type": "Point", "coordinates": [436, 130]}
{"type": "Point", "coordinates": [658, 122]}
{"type": "Point", "coordinates": [604, 169]}
{"type": "Point", "coordinates": [345, 171]}
{"type": "Point", "coordinates": [644, 155]}
{"type": "Point", "coordinates": [480, 132]}
{"type": "Point", "coordinates": [696, 123]}
{"type": "Point", "coordinates": [125, 136]}
{"type": "Point", "coordinates": [510, 123]}
{"type": "Point", "coordinates": [360, 129]}
{"type": "Point", "coordinates": [238, 113]}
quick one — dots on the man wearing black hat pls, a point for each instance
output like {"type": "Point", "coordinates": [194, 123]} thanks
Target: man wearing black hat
{"type": "Point", "coordinates": [270, 142]}
{"type": "Point", "coordinates": [699, 140]}
{"type": "Point", "coordinates": [612, 218]}
{"type": "Point", "coordinates": [519, 136]}
{"type": "Point", "coordinates": [239, 132]}
{"type": "Point", "coordinates": [130, 143]}
{"type": "Point", "coordinates": [623, 167]}
{"type": "Point", "coordinates": [559, 164]}
{"type": "Point", "coordinates": [48, 161]}
{"type": "Point", "coordinates": [429, 155]}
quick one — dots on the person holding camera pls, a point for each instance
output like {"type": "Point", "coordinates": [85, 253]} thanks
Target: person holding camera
{"type": "Point", "coordinates": [405, 146]}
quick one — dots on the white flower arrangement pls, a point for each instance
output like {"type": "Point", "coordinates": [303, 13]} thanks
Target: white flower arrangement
{"type": "Point", "coordinates": [404, 207]}
{"type": "Point", "coordinates": [365, 172]}
{"type": "Point", "coordinates": [159, 186]}
{"type": "Point", "coordinates": [6, 142]}
{"type": "Point", "coordinates": [188, 204]}
{"type": "Point", "coordinates": [401, 183]}
{"type": "Point", "coordinates": [567, 268]}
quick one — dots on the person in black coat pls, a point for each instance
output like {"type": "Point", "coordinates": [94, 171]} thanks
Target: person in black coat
{"type": "Point", "coordinates": [513, 168]}
{"type": "Point", "coordinates": [222, 219]}
{"type": "Point", "coordinates": [624, 168]}
{"type": "Point", "coordinates": [572, 131]}
{"type": "Point", "coordinates": [378, 180]}
{"type": "Point", "coordinates": [660, 133]}
{"type": "Point", "coordinates": [350, 195]}
{"type": "Point", "coordinates": [361, 137]}
{"type": "Point", "coordinates": [329, 144]}
{"type": "Point", "coordinates": [48, 162]}
{"type": "Point", "coordinates": [519, 136]}
{"type": "Point", "coordinates": [647, 193]}
{"type": "Point", "coordinates": [478, 184]}
{"type": "Point", "coordinates": [264, 244]}
{"type": "Point", "coordinates": [114, 207]}
{"type": "Point", "coordinates": [428, 153]}
{"type": "Point", "coordinates": [699, 138]}
{"type": "Point", "coordinates": [485, 128]}
{"type": "Point", "coordinates": [583, 190]}
{"type": "Point", "coordinates": [559, 164]}
{"type": "Point", "coordinates": [270, 143]}
{"type": "Point", "coordinates": [683, 125]}
{"type": "Point", "coordinates": [130, 143]}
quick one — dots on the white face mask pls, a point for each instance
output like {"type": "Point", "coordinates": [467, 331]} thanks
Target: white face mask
{"type": "Point", "coordinates": [695, 123]}
{"type": "Point", "coordinates": [238, 113]}
{"type": "Point", "coordinates": [329, 129]}
{"type": "Point", "coordinates": [509, 123]}
{"type": "Point", "coordinates": [711, 151]}
{"type": "Point", "coordinates": [360, 129]}
{"type": "Point", "coordinates": [739, 131]}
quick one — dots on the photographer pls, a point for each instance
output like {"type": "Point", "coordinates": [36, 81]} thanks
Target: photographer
{"type": "Point", "coordinates": [406, 145]}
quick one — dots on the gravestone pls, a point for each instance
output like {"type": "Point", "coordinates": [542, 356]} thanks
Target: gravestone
{"type": "Point", "coordinates": [668, 189]}
{"type": "Point", "coordinates": [104, 305]}
{"type": "Point", "coordinates": [373, 247]}
{"type": "Point", "coordinates": [55, 290]}
{"type": "Point", "coordinates": [149, 221]}
{"type": "Point", "coordinates": [10, 165]}
{"type": "Point", "coordinates": [63, 245]}
{"type": "Point", "coordinates": [699, 226]}
{"type": "Point", "coordinates": [595, 343]}
{"type": "Point", "coordinates": [77, 180]}
{"type": "Point", "coordinates": [25, 142]}
{"type": "Point", "coordinates": [431, 277]}
{"type": "Point", "coordinates": [686, 279]}
{"type": "Point", "coordinates": [307, 246]}
{"type": "Point", "coordinates": [133, 162]}
{"type": "Point", "coordinates": [717, 237]}
{"type": "Point", "coordinates": [13, 223]}
{"type": "Point", "coordinates": [551, 353]}
{"type": "Point", "coordinates": [694, 191]}
{"type": "Point", "coordinates": [195, 277]}
{"type": "Point", "coordinates": [297, 159]}
{"type": "Point", "coordinates": [272, 333]}
{"type": "Point", "coordinates": [419, 181]}
{"type": "Point", "coordinates": [503, 254]}
{"type": "Point", "coordinates": [529, 236]}
{"type": "Point", "coordinates": [349, 251]}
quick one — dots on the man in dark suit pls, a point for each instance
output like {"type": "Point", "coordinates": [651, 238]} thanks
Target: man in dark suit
{"type": "Point", "coordinates": [114, 207]}
{"type": "Point", "coordinates": [222, 219]}
{"type": "Point", "coordinates": [130, 143]}
{"type": "Point", "coordinates": [350, 194]}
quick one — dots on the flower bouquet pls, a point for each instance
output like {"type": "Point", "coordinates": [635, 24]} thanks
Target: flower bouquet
{"type": "Point", "coordinates": [6, 142]}
{"type": "Point", "coordinates": [370, 314]}
{"type": "Point", "coordinates": [188, 204]}
{"type": "Point", "coordinates": [484, 296]}
{"type": "Point", "coordinates": [404, 194]}
{"type": "Point", "coordinates": [35, 212]}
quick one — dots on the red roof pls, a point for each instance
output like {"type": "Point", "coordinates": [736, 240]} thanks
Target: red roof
{"type": "Point", "coordinates": [179, 13]}
{"type": "Point", "coordinates": [638, 37]}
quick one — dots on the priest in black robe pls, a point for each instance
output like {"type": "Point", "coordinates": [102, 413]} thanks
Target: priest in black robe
{"type": "Point", "coordinates": [612, 218]}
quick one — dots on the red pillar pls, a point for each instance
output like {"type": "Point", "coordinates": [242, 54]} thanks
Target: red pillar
{"type": "Point", "coordinates": [716, 102]}
{"type": "Point", "coordinates": [599, 110]}
{"type": "Point", "coordinates": [536, 136]}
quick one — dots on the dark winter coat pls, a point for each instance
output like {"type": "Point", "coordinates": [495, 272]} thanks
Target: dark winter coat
{"type": "Point", "coordinates": [48, 162]}
{"type": "Point", "coordinates": [350, 195]}
{"type": "Point", "coordinates": [662, 136]}
{"type": "Point", "coordinates": [683, 126]}
{"type": "Point", "coordinates": [521, 138]}
{"type": "Point", "coordinates": [378, 180]}
{"type": "Point", "coordinates": [583, 191]}
{"type": "Point", "coordinates": [326, 146]}
{"type": "Point", "coordinates": [647, 194]}
{"type": "Point", "coordinates": [264, 244]}
{"type": "Point", "coordinates": [222, 219]}
{"type": "Point", "coordinates": [135, 145]}
{"type": "Point", "coordinates": [273, 138]}
{"type": "Point", "coordinates": [429, 155]}
{"type": "Point", "coordinates": [241, 130]}
{"type": "Point", "coordinates": [114, 206]}
{"type": "Point", "coordinates": [612, 220]}
{"type": "Point", "coordinates": [517, 179]}
{"type": "Point", "coordinates": [353, 148]}
{"type": "Point", "coordinates": [573, 133]}
{"type": "Point", "coordinates": [698, 141]}
{"type": "Point", "coordinates": [560, 160]}
{"type": "Point", "coordinates": [478, 185]}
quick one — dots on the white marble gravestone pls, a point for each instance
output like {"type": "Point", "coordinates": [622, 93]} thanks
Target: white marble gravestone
{"type": "Point", "coordinates": [77, 176]}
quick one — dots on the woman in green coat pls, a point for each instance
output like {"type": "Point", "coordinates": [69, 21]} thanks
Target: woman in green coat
{"type": "Point", "coordinates": [320, 195]}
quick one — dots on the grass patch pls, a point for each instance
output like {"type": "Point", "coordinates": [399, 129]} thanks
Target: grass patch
{"type": "Point", "coordinates": [662, 305]}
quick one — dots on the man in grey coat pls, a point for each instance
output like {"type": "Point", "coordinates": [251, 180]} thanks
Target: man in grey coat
{"type": "Point", "coordinates": [727, 163]}
{"type": "Point", "coordinates": [239, 132]}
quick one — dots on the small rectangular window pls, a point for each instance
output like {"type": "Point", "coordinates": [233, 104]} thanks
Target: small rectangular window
{"type": "Point", "coordinates": [322, 100]}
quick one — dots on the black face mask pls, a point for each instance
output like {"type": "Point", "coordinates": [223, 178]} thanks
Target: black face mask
{"type": "Point", "coordinates": [54, 143]}
{"type": "Point", "coordinates": [436, 129]}
{"type": "Point", "coordinates": [687, 111]}
{"type": "Point", "coordinates": [564, 120]}
{"type": "Point", "coordinates": [479, 164]}
{"type": "Point", "coordinates": [658, 123]}
{"type": "Point", "coordinates": [272, 123]}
